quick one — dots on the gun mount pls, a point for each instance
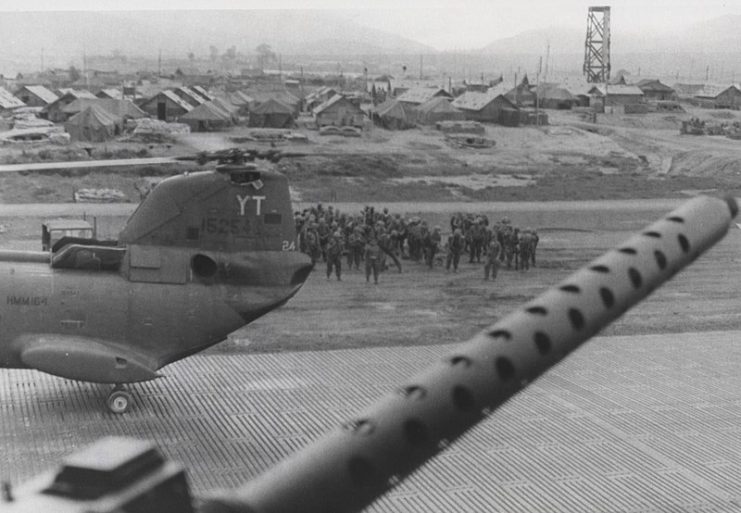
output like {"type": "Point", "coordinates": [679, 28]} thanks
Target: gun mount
{"type": "Point", "coordinates": [367, 456]}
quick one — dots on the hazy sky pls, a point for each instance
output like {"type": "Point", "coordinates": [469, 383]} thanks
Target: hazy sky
{"type": "Point", "coordinates": [447, 24]}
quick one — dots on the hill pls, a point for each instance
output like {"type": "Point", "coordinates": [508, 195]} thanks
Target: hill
{"type": "Point", "coordinates": [145, 33]}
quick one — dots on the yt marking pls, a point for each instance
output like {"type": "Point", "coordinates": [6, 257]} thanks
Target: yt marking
{"type": "Point", "coordinates": [243, 203]}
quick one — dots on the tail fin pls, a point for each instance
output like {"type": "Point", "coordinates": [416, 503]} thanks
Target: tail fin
{"type": "Point", "coordinates": [232, 225]}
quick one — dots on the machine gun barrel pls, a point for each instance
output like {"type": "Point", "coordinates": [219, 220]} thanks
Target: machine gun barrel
{"type": "Point", "coordinates": [364, 458]}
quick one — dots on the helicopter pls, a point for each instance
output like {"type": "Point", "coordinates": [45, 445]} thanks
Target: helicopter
{"type": "Point", "coordinates": [367, 456]}
{"type": "Point", "coordinates": [203, 254]}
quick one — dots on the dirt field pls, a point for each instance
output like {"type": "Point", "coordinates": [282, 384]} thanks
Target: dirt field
{"type": "Point", "coordinates": [422, 306]}
{"type": "Point", "coordinates": [620, 156]}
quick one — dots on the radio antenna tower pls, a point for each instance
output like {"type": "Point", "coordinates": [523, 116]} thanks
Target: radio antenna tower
{"type": "Point", "coordinates": [597, 45]}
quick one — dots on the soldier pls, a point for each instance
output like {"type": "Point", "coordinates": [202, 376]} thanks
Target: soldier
{"type": "Point", "coordinates": [456, 244]}
{"type": "Point", "coordinates": [491, 265]}
{"type": "Point", "coordinates": [334, 255]}
{"type": "Point", "coordinates": [534, 245]}
{"type": "Point", "coordinates": [525, 245]}
{"type": "Point", "coordinates": [356, 243]}
{"type": "Point", "coordinates": [477, 233]}
{"type": "Point", "coordinates": [386, 243]}
{"type": "Point", "coordinates": [323, 231]}
{"type": "Point", "coordinates": [372, 259]}
{"type": "Point", "coordinates": [431, 245]}
{"type": "Point", "coordinates": [414, 239]}
{"type": "Point", "coordinates": [313, 249]}
{"type": "Point", "coordinates": [509, 244]}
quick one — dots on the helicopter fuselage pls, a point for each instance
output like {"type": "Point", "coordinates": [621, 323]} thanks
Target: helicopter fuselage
{"type": "Point", "coordinates": [97, 325]}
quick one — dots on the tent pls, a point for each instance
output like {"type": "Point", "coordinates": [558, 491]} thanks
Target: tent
{"type": "Point", "coordinates": [227, 106]}
{"type": "Point", "coordinates": [554, 97]}
{"type": "Point", "coordinates": [239, 100]}
{"type": "Point", "coordinates": [272, 113]}
{"type": "Point", "coordinates": [119, 108]}
{"type": "Point", "coordinates": [394, 115]}
{"type": "Point", "coordinates": [93, 124]}
{"type": "Point", "coordinates": [207, 116]}
{"type": "Point", "coordinates": [438, 109]}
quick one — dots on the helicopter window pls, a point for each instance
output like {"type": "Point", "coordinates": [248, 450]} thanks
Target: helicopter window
{"type": "Point", "coordinates": [273, 218]}
{"type": "Point", "coordinates": [191, 233]}
{"type": "Point", "coordinates": [244, 177]}
{"type": "Point", "coordinates": [204, 266]}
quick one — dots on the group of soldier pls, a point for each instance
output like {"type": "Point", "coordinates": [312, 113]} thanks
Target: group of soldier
{"type": "Point", "coordinates": [375, 237]}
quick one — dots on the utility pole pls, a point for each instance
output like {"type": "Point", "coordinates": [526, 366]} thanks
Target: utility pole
{"type": "Point", "coordinates": [421, 66]}
{"type": "Point", "coordinates": [547, 57]}
{"type": "Point", "coordinates": [159, 63]}
{"type": "Point", "coordinates": [537, 93]}
{"type": "Point", "coordinates": [42, 58]}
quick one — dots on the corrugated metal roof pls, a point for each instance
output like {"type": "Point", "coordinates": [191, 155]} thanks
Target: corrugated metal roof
{"type": "Point", "coordinates": [121, 108]}
{"type": "Point", "coordinates": [393, 109]}
{"type": "Point", "coordinates": [113, 92]}
{"type": "Point", "coordinates": [8, 101]}
{"type": "Point", "coordinates": [653, 84]}
{"type": "Point", "coordinates": [713, 90]}
{"type": "Point", "coordinates": [324, 106]}
{"type": "Point", "coordinates": [200, 90]}
{"type": "Point", "coordinates": [471, 100]}
{"type": "Point", "coordinates": [421, 95]}
{"type": "Point", "coordinates": [207, 111]}
{"type": "Point", "coordinates": [623, 90]}
{"type": "Point", "coordinates": [192, 94]}
{"type": "Point", "coordinates": [178, 100]}
{"type": "Point", "coordinates": [439, 104]}
{"type": "Point", "coordinates": [77, 93]}
{"type": "Point", "coordinates": [43, 93]}
{"type": "Point", "coordinates": [687, 89]}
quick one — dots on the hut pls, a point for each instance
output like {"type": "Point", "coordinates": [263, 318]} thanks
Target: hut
{"type": "Point", "coordinates": [419, 95]}
{"type": "Point", "coordinates": [653, 89]}
{"type": "Point", "coordinates": [207, 117]}
{"type": "Point", "coordinates": [189, 96]}
{"type": "Point", "coordinates": [483, 107]}
{"type": "Point", "coordinates": [93, 124]}
{"type": "Point", "coordinates": [228, 107]}
{"type": "Point", "coordinates": [240, 100]}
{"type": "Point", "coordinates": [686, 91]}
{"type": "Point", "coordinates": [394, 115]}
{"type": "Point", "coordinates": [319, 96]}
{"type": "Point", "coordinates": [54, 111]}
{"type": "Point", "coordinates": [438, 109]}
{"type": "Point", "coordinates": [554, 97]}
{"type": "Point", "coordinates": [36, 95]}
{"type": "Point", "coordinates": [719, 96]}
{"type": "Point", "coordinates": [280, 95]}
{"type": "Point", "coordinates": [272, 113]}
{"type": "Point", "coordinates": [123, 109]}
{"type": "Point", "coordinates": [166, 106]}
{"type": "Point", "coordinates": [338, 111]}
{"type": "Point", "coordinates": [8, 101]}
{"type": "Point", "coordinates": [201, 91]}
{"type": "Point", "coordinates": [617, 95]}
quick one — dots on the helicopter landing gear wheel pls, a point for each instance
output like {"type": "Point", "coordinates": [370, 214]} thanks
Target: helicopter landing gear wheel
{"type": "Point", "coordinates": [119, 400]}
